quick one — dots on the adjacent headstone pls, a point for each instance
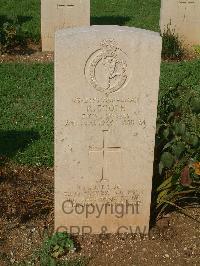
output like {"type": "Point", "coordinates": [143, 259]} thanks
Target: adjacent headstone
{"type": "Point", "coordinates": [183, 17]}
{"type": "Point", "coordinates": [59, 14]}
{"type": "Point", "coordinates": [106, 92]}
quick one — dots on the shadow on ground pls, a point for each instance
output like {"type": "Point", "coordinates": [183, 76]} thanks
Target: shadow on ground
{"type": "Point", "coordinates": [20, 20]}
{"type": "Point", "coordinates": [110, 20]}
{"type": "Point", "coordinates": [13, 141]}
{"type": "Point", "coordinates": [156, 181]}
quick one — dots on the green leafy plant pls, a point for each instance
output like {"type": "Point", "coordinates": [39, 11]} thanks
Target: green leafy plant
{"type": "Point", "coordinates": [60, 243]}
{"type": "Point", "coordinates": [55, 247]}
{"type": "Point", "coordinates": [10, 35]}
{"type": "Point", "coordinates": [178, 141]}
{"type": "Point", "coordinates": [172, 45]}
{"type": "Point", "coordinates": [52, 252]}
{"type": "Point", "coordinates": [197, 49]}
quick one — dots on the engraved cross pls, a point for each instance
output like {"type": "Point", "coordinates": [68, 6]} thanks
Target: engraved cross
{"type": "Point", "coordinates": [185, 4]}
{"type": "Point", "coordinates": [102, 151]}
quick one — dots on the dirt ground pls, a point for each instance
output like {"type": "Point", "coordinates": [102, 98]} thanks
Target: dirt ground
{"type": "Point", "coordinates": [26, 217]}
{"type": "Point", "coordinates": [37, 57]}
{"type": "Point", "coordinates": [33, 53]}
{"type": "Point", "coordinates": [26, 203]}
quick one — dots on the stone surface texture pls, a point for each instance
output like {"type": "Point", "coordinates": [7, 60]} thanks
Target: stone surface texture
{"type": "Point", "coordinates": [106, 93]}
{"type": "Point", "coordinates": [183, 17]}
{"type": "Point", "coordinates": [60, 14]}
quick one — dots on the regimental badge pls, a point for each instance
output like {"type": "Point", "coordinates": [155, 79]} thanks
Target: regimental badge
{"type": "Point", "coordinates": [106, 68]}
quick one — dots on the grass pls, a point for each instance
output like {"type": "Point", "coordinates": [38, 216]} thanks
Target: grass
{"type": "Point", "coordinates": [172, 73]}
{"type": "Point", "coordinates": [26, 124]}
{"type": "Point", "coordinates": [138, 13]}
{"type": "Point", "coordinates": [28, 13]}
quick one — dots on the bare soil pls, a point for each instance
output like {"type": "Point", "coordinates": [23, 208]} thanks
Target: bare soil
{"type": "Point", "coordinates": [32, 52]}
{"type": "Point", "coordinates": [26, 203]}
{"type": "Point", "coordinates": [38, 57]}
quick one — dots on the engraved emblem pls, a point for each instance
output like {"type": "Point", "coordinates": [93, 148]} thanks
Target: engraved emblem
{"type": "Point", "coordinates": [106, 68]}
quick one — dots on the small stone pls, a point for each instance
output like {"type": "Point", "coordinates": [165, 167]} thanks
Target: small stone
{"type": "Point", "coordinates": [12, 261]}
{"type": "Point", "coordinates": [167, 256]}
{"type": "Point", "coordinates": [33, 230]}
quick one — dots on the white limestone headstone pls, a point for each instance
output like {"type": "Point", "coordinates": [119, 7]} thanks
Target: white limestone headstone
{"type": "Point", "coordinates": [60, 14]}
{"type": "Point", "coordinates": [106, 92]}
{"type": "Point", "coordinates": [183, 17]}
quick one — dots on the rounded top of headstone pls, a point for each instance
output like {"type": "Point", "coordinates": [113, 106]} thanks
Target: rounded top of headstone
{"type": "Point", "coordinates": [106, 28]}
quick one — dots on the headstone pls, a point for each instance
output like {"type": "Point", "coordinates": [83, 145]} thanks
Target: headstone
{"type": "Point", "coordinates": [106, 92]}
{"type": "Point", "coordinates": [183, 17]}
{"type": "Point", "coordinates": [59, 14]}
